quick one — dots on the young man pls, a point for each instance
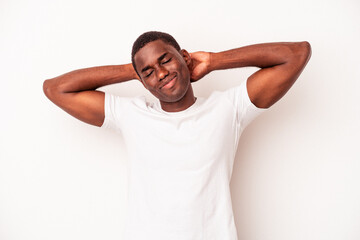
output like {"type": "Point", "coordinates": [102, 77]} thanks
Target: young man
{"type": "Point", "coordinates": [181, 147]}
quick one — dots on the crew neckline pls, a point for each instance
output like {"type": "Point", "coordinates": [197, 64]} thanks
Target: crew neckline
{"type": "Point", "coordinates": [198, 100]}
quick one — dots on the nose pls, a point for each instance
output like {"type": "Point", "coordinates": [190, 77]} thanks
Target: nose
{"type": "Point", "coordinates": [162, 73]}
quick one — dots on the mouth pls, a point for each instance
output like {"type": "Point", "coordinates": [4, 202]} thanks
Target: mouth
{"type": "Point", "coordinates": [169, 83]}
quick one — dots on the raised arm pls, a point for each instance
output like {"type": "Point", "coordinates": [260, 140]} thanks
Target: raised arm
{"type": "Point", "coordinates": [75, 92]}
{"type": "Point", "coordinates": [281, 64]}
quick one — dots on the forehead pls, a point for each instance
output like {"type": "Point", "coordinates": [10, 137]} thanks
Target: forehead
{"type": "Point", "coordinates": [151, 51]}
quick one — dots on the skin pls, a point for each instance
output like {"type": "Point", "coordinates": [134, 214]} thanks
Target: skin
{"type": "Point", "coordinates": [157, 63]}
{"type": "Point", "coordinates": [280, 65]}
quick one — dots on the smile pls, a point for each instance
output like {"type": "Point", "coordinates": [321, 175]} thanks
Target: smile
{"type": "Point", "coordinates": [169, 84]}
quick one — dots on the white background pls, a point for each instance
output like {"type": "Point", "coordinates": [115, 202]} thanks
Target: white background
{"type": "Point", "coordinates": [297, 172]}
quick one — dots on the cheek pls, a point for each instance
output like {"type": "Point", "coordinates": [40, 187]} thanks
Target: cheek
{"type": "Point", "coordinates": [148, 83]}
{"type": "Point", "coordinates": [185, 73]}
{"type": "Point", "coordinates": [183, 69]}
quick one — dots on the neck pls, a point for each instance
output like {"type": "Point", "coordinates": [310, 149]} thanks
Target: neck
{"type": "Point", "coordinates": [184, 103]}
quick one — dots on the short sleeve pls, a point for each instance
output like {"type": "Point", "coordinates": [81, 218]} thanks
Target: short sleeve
{"type": "Point", "coordinates": [246, 111]}
{"type": "Point", "coordinates": [115, 108]}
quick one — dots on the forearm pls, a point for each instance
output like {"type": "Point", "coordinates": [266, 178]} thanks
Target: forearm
{"type": "Point", "coordinates": [91, 78]}
{"type": "Point", "coordinates": [258, 55]}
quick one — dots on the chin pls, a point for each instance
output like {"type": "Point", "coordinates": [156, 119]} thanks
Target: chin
{"type": "Point", "coordinates": [177, 95]}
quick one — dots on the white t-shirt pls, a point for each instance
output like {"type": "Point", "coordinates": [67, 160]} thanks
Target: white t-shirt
{"type": "Point", "coordinates": [180, 164]}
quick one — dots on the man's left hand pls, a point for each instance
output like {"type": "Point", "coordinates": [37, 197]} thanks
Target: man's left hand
{"type": "Point", "coordinates": [200, 65]}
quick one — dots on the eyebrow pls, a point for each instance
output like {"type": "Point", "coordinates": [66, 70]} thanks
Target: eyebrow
{"type": "Point", "coordinates": [159, 59]}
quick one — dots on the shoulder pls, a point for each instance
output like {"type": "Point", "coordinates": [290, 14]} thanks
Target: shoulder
{"type": "Point", "coordinates": [119, 109]}
{"type": "Point", "coordinates": [113, 100]}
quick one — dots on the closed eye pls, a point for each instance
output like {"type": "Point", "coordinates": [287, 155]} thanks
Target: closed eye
{"type": "Point", "coordinates": [162, 63]}
{"type": "Point", "coordinates": [149, 74]}
{"type": "Point", "coordinates": [167, 61]}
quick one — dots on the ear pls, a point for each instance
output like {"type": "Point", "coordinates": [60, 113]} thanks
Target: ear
{"type": "Point", "coordinates": [186, 57]}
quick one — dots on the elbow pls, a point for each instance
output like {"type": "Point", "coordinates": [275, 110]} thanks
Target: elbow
{"type": "Point", "coordinates": [47, 88]}
{"type": "Point", "coordinates": [50, 88]}
{"type": "Point", "coordinates": [305, 49]}
{"type": "Point", "coordinates": [300, 53]}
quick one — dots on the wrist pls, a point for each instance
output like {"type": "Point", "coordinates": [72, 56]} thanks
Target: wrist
{"type": "Point", "coordinates": [215, 62]}
{"type": "Point", "coordinates": [133, 74]}
{"type": "Point", "coordinates": [212, 62]}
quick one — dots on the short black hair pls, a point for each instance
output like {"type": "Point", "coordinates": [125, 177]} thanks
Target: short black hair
{"type": "Point", "coordinates": [148, 37]}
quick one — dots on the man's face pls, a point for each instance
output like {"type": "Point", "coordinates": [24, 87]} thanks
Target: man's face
{"type": "Point", "coordinates": [163, 70]}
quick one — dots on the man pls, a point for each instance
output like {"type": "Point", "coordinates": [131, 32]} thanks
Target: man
{"type": "Point", "coordinates": [181, 147]}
